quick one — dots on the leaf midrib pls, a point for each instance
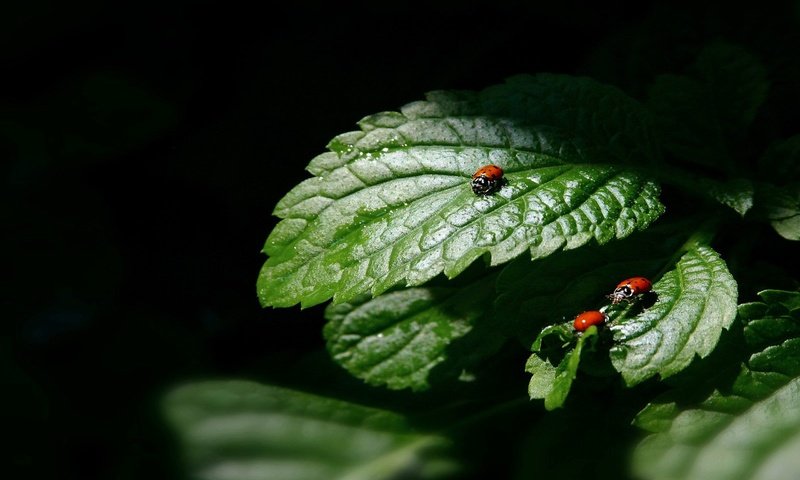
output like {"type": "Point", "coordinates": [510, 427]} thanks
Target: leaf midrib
{"type": "Point", "coordinates": [498, 206]}
{"type": "Point", "coordinates": [417, 147]}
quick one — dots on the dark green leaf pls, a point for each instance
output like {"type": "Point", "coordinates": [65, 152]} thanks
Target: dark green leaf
{"type": "Point", "coordinates": [391, 204]}
{"type": "Point", "coordinates": [416, 336]}
{"type": "Point", "coordinates": [748, 427]}
{"type": "Point", "coordinates": [778, 202]}
{"type": "Point", "coordinates": [788, 300]}
{"type": "Point", "coordinates": [737, 83]}
{"type": "Point", "coordinates": [702, 116]}
{"type": "Point", "coordinates": [686, 121]}
{"type": "Point", "coordinates": [696, 301]}
{"type": "Point", "coordinates": [772, 321]}
{"type": "Point", "coordinates": [553, 383]}
{"type": "Point", "coordinates": [780, 206]}
{"type": "Point", "coordinates": [737, 194]}
{"type": "Point", "coordinates": [238, 430]}
{"type": "Point", "coordinates": [781, 162]}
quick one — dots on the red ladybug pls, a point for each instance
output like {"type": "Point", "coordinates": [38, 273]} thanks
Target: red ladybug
{"type": "Point", "coordinates": [487, 180]}
{"type": "Point", "coordinates": [587, 319]}
{"type": "Point", "coordinates": [629, 288]}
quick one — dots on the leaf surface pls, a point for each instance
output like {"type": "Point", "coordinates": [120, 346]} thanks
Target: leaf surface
{"type": "Point", "coordinates": [240, 430]}
{"type": "Point", "coordinates": [701, 117]}
{"type": "Point", "coordinates": [391, 204]}
{"type": "Point", "coordinates": [780, 206]}
{"type": "Point", "coordinates": [415, 337]}
{"type": "Point", "coordinates": [695, 302]}
{"type": "Point", "coordinates": [748, 427]}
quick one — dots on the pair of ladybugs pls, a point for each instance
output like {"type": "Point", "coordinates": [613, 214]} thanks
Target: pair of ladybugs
{"type": "Point", "coordinates": [625, 292]}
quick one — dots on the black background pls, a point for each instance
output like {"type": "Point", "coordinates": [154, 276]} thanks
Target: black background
{"type": "Point", "coordinates": [148, 145]}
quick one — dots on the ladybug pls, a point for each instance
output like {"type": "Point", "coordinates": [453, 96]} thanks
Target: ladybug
{"type": "Point", "coordinates": [587, 319]}
{"type": "Point", "coordinates": [629, 288]}
{"type": "Point", "coordinates": [487, 180]}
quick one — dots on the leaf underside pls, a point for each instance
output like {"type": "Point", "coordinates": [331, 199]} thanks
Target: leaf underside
{"type": "Point", "coordinates": [748, 427]}
{"type": "Point", "coordinates": [391, 204]}
{"type": "Point", "coordinates": [695, 302]}
{"type": "Point", "coordinates": [239, 430]}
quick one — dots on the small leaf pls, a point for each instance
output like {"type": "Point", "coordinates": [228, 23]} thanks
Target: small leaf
{"type": "Point", "coordinates": [543, 379]}
{"type": "Point", "coordinates": [413, 337]}
{"type": "Point", "coordinates": [780, 206]}
{"type": "Point", "coordinates": [695, 302]}
{"type": "Point", "coordinates": [563, 331]}
{"type": "Point", "coordinates": [737, 194]}
{"type": "Point", "coordinates": [553, 383]}
{"type": "Point", "coordinates": [747, 428]}
{"type": "Point", "coordinates": [788, 300]}
{"type": "Point", "coordinates": [391, 205]}
{"type": "Point", "coordinates": [234, 430]}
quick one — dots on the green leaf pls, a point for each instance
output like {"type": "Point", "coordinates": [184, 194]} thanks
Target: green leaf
{"type": "Point", "coordinates": [772, 321]}
{"type": "Point", "coordinates": [783, 298]}
{"type": "Point", "coordinates": [555, 289]}
{"type": "Point", "coordinates": [781, 162]}
{"type": "Point", "coordinates": [236, 430]}
{"type": "Point", "coordinates": [417, 336]}
{"type": "Point", "coordinates": [604, 117]}
{"type": "Point", "coordinates": [562, 331]}
{"type": "Point", "coordinates": [747, 427]}
{"type": "Point", "coordinates": [737, 83]}
{"type": "Point", "coordinates": [391, 205]}
{"type": "Point", "coordinates": [736, 194]}
{"type": "Point", "coordinates": [553, 383]}
{"type": "Point", "coordinates": [701, 117]}
{"type": "Point", "coordinates": [780, 206]}
{"type": "Point", "coordinates": [778, 202]}
{"type": "Point", "coordinates": [696, 301]}
{"type": "Point", "coordinates": [686, 121]}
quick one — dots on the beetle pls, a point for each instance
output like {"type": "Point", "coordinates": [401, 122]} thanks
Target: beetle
{"type": "Point", "coordinates": [487, 180]}
{"type": "Point", "coordinates": [587, 319]}
{"type": "Point", "coordinates": [629, 288]}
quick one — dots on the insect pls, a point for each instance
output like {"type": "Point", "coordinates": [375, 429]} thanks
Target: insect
{"type": "Point", "coordinates": [587, 319]}
{"type": "Point", "coordinates": [629, 288]}
{"type": "Point", "coordinates": [487, 180]}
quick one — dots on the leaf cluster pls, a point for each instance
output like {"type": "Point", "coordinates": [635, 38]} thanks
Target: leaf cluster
{"type": "Point", "coordinates": [429, 283]}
